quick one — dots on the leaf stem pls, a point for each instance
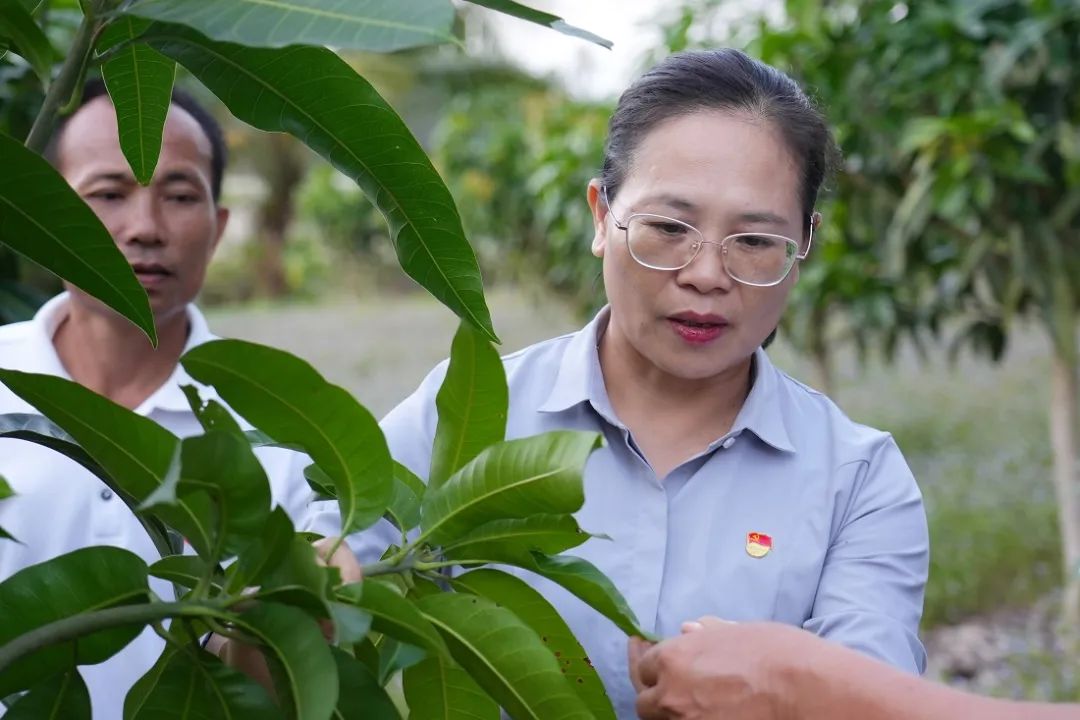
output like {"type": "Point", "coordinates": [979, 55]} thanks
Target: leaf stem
{"type": "Point", "coordinates": [389, 567]}
{"type": "Point", "coordinates": [76, 626]}
{"type": "Point", "coordinates": [66, 84]}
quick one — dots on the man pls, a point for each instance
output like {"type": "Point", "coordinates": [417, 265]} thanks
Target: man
{"type": "Point", "coordinates": [168, 231]}
{"type": "Point", "coordinates": [765, 671]}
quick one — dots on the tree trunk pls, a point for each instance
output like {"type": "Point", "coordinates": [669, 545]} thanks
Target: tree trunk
{"type": "Point", "coordinates": [283, 167]}
{"type": "Point", "coordinates": [1064, 435]}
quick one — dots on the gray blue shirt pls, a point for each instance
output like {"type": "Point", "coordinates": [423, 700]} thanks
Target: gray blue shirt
{"type": "Point", "coordinates": [841, 545]}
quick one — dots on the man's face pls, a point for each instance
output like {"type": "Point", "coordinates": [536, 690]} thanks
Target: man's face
{"type": "Point", "coordinates": [168, 230]}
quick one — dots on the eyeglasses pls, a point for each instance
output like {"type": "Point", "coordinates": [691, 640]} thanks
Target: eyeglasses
{"type": "Point", "coordinates": [662, 243]}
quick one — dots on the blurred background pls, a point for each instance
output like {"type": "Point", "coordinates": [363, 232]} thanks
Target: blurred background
{"type": "Point", "coordinates": [939, 303]}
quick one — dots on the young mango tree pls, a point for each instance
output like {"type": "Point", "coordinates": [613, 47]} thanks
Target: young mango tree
{"type": "Point", "coordinates": [470, 642]}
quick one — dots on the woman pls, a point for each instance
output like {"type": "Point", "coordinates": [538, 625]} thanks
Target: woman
{"type": "Point", "coordinates": [726, 487]}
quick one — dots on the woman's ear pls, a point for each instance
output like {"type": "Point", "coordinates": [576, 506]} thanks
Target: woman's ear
{"type": "Point", "coordinates": [599, 213]}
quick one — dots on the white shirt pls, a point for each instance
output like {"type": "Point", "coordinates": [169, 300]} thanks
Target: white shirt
{"type": "Point", "coordinates": [797, 514]}
{"type": "Point", "coordinates": [60, 507]}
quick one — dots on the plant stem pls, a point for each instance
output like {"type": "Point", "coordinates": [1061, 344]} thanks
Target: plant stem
{"type": "Point", "coordinates": [388, 567]}
{"type": "Point", "coordinates": [76, 626]}
{"type": "Point", "coordinates": [65, 85]}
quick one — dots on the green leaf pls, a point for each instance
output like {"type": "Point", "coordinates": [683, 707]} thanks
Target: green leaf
{"type": "Point", "coordinates": [550, 534]}
{"type": "Point", "coordinates": [61, 697]}
{"type": "Point", "coordinates": [351, 624]}
{"type": "Point", "coordinates": [222, 465]}
{"type": "Point", "coordinates": [5, 492]}
{"type": "Point", "coordinates": [395, 655]}
{"type": "Point", "coordinates": [472, 404]}
{"type": "Point", "coordinates": [360, 696]}
{"type": "Point", "coordinates": [581, 578]}
{"type": "Point", "coordinates": [531, 608]}
{"type": "Point", "coordinates": [299, 573]}
{"type": "Point", "coordinates": [44, 220]}
{"type": "Point", "coordinates": [211, 414]}
{"type": "Point", "coordinates": [320, 483]}
{"type": "Point", "coordinates": [371, 25]}
{"type": "Point", "coordinates": [289, 400]}
{"type": "Point", "coordinates": [262, 557]}
{"type": "Point", "coordinates": [513, 479]}
{"type": "Point", "coordinates": [554, 22]}
{"type": "Point", "coordinates": [392, 614]}
{"type": "Point", "coordinates": [295, 646]}
{"type": "Point", "coordinates": [314, 95]}
{"type": "Point", "coordinates": [191, 684]}
{"type": "Point", "coordinates": [504, 656]}
{"type": "Point", "coordinates": [81, 581]}
{"type": "Point", "coordinates": [39, 430]}
{"type": "Point", "coordinates": [438, 689]}
{"type": "Point", "coordinates": [140, 81]}
{"type": "Point", "coordinates": [404, 508]}
{"type": "Point", "coordinates": [183, 570]}
{"type": "Point", "coordinates": [28, 40]}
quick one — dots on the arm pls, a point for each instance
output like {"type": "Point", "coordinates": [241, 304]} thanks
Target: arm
{"type": "Point", "coordinates": [766, 671]}
{"type": "Point", "coordinates": [870, 594]}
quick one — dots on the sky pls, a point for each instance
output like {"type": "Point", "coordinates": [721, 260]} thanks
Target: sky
{"type": "Point", "coordinates": [586, 69]}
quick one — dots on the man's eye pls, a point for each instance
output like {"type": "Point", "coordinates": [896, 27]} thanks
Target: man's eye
{"type": "Point", "coordinates": [107, 195]}
{"type": "Point", "coordinates": [667, 228]}
{"type": "Point", "coordinates": [186, 199]}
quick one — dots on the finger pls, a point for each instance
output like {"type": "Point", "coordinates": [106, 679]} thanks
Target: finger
{"type": "Point", "coordinates": [648, 704]}
{"type": "Point", "coordinates": [635, 649]}
{"type": "Point", "coordinates": [712, 621]}
{"type": "Point", "coordinates": [692, 626]}
{"type": "Point", "coordinates": [648, 666]}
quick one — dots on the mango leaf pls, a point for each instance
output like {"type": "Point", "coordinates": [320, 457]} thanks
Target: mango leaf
{"type": "Point", "coordinates": [531, 608]}
{"type": "Point", "coordinates": [5, 492]}
{"type": "Point", "coordinates": [300, 660]}
{"type": "Point", "coordinates": [360, 696]}
{"type": "Point", "coordinates": [395, 656]}
{"type": "Point", "coordinates": [505, 657]}
{"type": "Point", "coordinates": [351, 624]}
{"type": "Point", "coordinates": [554, 22]}
{"type": "Point", "coordinates": [319, 482]}
{"type": "Point", "coordinates": [132, 450]}
{"type": "Point", "coordinates": [222, 465]}
{"type": "Point", "coordinates": [392, 614]}
{"type": "Point", "coordinates": [404, 508]}
{"type": "Point", "coordinates": [513, 479]}
{"type": "Point", "coordinates": [211, 414]}
{"type": "Point", "coordinates": [261, 558]}
{"type": "Point", "coordinates": [184, 570]}
{"type": "Point", "coordinates": [44, 220]}
{"type": "Point", "coordinates": [371, 25]}
{"type": "Point", "coordinates": [82, 581]}
{"type": "Point", "coordinates": [578, 576]}
{"type": "Point", "coordinates": [18, 26]}
{"type": "Point", "coordinates": [192, 684]}
{"type": "Point", "coordinates": [289, 400]}
{"type": "Point", "coordinates": [140, 81]}
{"type": "Point", "coordinates": [300, 577]}
{"type": "Point", "coordinates": [550, 534]}
{"type": "Point", "coordinates": [472, 404]}
{"type": "Point", "coordinates": [61, 697]}
{"type": "Point", "coordinates": [438, 689]}
{"type": "Point", "coordinates": [313, 94]}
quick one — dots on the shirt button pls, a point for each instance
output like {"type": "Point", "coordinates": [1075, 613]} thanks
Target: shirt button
{"type": "Point", "coordinates": [106, 494]}
{"type": "Point", "coordinates": [728, 443]}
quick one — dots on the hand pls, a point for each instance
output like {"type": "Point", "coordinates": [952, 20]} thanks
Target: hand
{"type": "Point", "coordinates": [248, 659]}
{"type": "Point", "coordinates": [716, 669]}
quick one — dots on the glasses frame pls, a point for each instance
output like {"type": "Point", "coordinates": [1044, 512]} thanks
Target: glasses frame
{"type": "Point", "coordinates": [625, 227]}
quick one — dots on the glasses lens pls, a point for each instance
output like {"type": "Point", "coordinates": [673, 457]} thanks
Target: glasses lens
{"type": "Point", "coordinates": [760, 259]}
{"type": "Point", "coordinates": [661, 242]}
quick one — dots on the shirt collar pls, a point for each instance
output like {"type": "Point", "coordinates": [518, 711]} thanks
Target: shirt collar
{"type": "Point", "coordinates": [580, 379]}
{"type": "Point", "coordinates": [169, 397]}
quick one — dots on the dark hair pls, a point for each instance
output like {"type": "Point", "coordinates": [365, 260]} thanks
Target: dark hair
{"type": "Point", "coordinates": [95, 88]}
{"type": "Point", "coordinates": [724, 79]}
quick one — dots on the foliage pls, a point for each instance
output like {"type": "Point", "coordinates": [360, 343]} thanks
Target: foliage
{"type": "Point", "coordinates": [247, 574]}
{"type": "Point", "coordinates": [521, 492]}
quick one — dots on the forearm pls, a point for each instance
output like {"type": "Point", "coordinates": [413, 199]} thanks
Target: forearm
{"type": "Point", "coordinates": [839, 684]}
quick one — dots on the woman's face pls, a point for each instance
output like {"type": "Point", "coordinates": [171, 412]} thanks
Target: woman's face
{"type": "Point", "coordinates": [723, 173]}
